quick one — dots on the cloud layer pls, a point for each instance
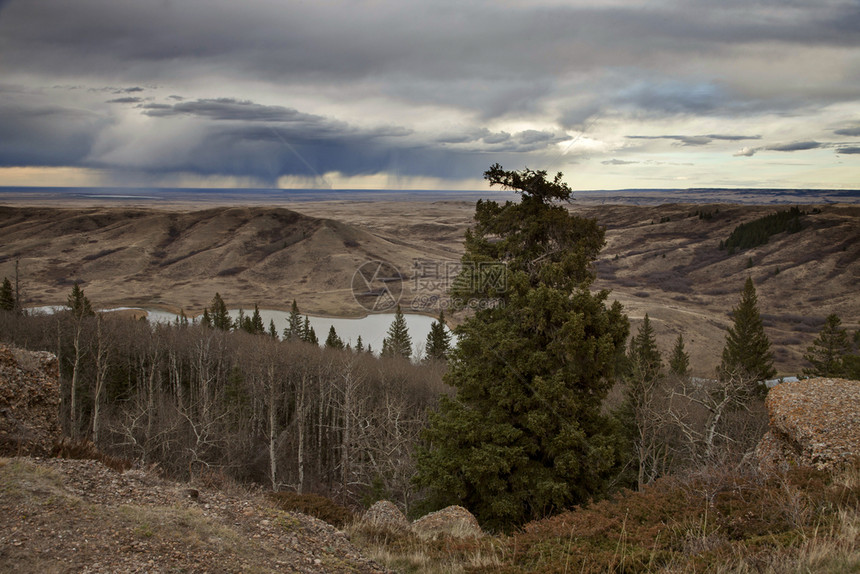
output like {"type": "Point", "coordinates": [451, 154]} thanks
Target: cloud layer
{"type": "Point", "coordinates": [625, 93]}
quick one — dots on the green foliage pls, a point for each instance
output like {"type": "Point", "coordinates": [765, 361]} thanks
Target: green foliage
{"type": "Point", "coordinates": [524, 435]}
{"type": "Point", "coordinates": [7, 296]}
{"type": "Point", "coordinates": [294, 329]}
{"type": "Point", "coordinates": [757, 232]}
{"type": "Point", "coordinates": [747, 349]}
{"type": "Point", "coordinates": [679, 362]}
{"type": "Point", "coordinates": [643, 356]}
{"type": "Point", "coordinates": [828, 350]}
{"type": "Point", "coordinates": [273, 331]}
{"type": "Point", "coordinates": [438, 340]}
{"type": "Point", "coordinates": [206, 318]}
{"type": "Point", "coordinates": [333, 341]}
{"type": "Point", "coordinates": [219, 315]}
{"type": "Point", "coordinates": [397, 343]}
{"type": "Point", "coordinates": [79, 304]}
{"type": "Point", "coordinates": [308, 333]}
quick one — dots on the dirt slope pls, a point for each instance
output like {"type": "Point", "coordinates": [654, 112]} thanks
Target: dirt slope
{"type": "Point", "coordinates": [180, 259]}
{"type": "Point", "coordinates": [79, 516]}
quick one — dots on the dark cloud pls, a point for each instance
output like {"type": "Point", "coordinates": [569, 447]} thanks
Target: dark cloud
{"type": "Point", "coordinates": [695, 140]}
{"type": "Point", "coordinates": [849, 150]}
{"type": "Point", "coordinates": [795, 146]}
{"type": "Point", "coordinates": [36, 133]}
{"type": "Point", "coordinates": [228, 109]}
{"type": "Point", "coordinates": [498, 65]}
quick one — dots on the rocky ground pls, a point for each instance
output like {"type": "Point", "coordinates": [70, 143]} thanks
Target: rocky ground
{"type": "Point", "coordinates": [61, 515]}
{"type": "Point", "coordinates": [813, 423]}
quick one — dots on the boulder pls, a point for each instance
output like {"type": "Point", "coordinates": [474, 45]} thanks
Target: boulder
{"type": "Point", "coordinates": [384, 514]}
{"type": "Point", "coordinates": [29, 402]}
{"type": "Point", "coordinates": [812, 423]}
{"type": "Point", "coordinates": [453, 521]}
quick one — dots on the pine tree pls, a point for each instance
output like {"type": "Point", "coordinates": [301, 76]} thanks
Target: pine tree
{"type": "Point", "coordinates": [242, 322]}
{"type": "Point", "coordinates": [219, 314]}
{"type": "Point", "coordinates": [273, 332]}
{"type": "Point", "coordinates": [333, 341]}
{"type": "Point", "coordinates": [308, 335]}
{"type": "Point", "coordinates": [257, 327]}
{"type": "Point", "coordinates": [747, 351]}
{"type": "Point", "coordinates": [827, 352]}
{"type": "Point", "coordinates": [206, 319]}
{"type": "Point", "coordinates": [311, 337]}
{"type": "Point", "coordinates": [524, 434]}
{"type": "Point", "coordinates": [78, 303]}
{"type": "Point", "coordinates": [7, 296]}
{"type": "Point", "coordinates": [294, 328]}
{"type": "Point", "coordinates": [438, 340]}
{"type": "Point", "coordinates": [679, 363]}
{"type": "Point", "coordinates": [644, 357]}
{"type": "Point", "coordinates": [397, 342]}
{"type": "Point", "coordinates": [359, 345]}
{"type": "Point", "coordinates": [642, 394]}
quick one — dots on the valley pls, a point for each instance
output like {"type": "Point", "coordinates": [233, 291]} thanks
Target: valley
{"type": "Point", "coordinates": [662, 260]}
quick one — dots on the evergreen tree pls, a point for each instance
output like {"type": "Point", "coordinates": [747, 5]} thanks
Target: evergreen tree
{"type": "Point", "coordinates": [333, 341]}
{"type": "Point", "coordinates": [308, 335]}
{"type": "Point", "coordinates": [78, 303]}
{"type": "Point", "coordinates": [679, 363]}
{"type": "Point", "coordinates": [206, 319]}
{"type": "Point", "coordinates": [242, 322]}
{"type": "Point", "coordinates": [397, 342]}
{"type": "Point", "coordinates": [438, 340]}
{"type": "Point", "coordinates": [359, 345]}
{"type": "Point", "coordinates": [294, 328]}
{"type": "Point", "coordinates": [644, 357]}
{"type": "Point", "coordinates": [524, 435]}
{"type": "Point", "coordinates": [312, 337]}
{"type": "Point", "coordinates": [747, 351]}
{"type": "Point", "coordinates": [219, 314]}
{"type": "Point", "coordinates": [257, 327]}
{"type": "Point", "coordinates": [827, 352]}
{"type": "Point", "coordinates": [7, 296]}
{"type": "Point", "coordinates": [273, 332]}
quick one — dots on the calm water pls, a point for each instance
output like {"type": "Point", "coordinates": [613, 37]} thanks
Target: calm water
{"type": "Point", "coordinates": [372, 328]}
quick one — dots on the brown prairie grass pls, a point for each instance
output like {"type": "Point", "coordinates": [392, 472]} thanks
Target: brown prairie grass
{"type": "Point", "coordinates": [406, 552]}
{"type": "Point", "coordinates": [712, 522]}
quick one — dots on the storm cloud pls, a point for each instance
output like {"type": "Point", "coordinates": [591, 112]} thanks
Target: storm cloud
{"type": "Point", "coordinates": [438, 88]}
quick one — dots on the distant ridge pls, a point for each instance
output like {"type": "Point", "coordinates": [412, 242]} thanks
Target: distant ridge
{"type": "Point", "coordinates": [261, 196]}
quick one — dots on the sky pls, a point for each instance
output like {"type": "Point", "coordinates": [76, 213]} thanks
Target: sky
{"type": "Point", "coordinates": [428, 94]}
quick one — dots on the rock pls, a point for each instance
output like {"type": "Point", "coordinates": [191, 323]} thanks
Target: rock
{"type": "Point", "coordinates": [454, 521]}
{"type": "Point", "coordinates": [813, 423]}
{"type": "Point", "coordinates": [386, 515]}
{"type": "Point", "coordinates": [29, 402]}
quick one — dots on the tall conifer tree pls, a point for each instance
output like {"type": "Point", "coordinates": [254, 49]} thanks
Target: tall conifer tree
{"type": "Point", "coordinates": [397, 342]}
{"type": "Point", "coordinates": [438, 340]}
{"type": "Point", "coordinates": [679, 363]}
{"type": "Point", "coordinates": [828, 350]}
{"type": "Point", "coordinates": [524, 434]}
{"type": "Point", "coordinates": [747, 351]}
